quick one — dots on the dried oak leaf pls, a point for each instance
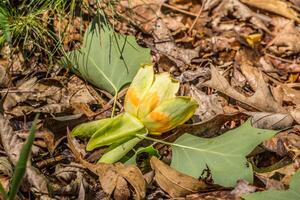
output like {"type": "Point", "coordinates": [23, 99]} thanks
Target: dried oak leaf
{"type": "Point", "coordinates": [173, 182]}
{"type": "Point", "coordinates": [239, 10]}
{"type": "Point", "coordinates": [286, 41]}
{"type": "Point", "coordinates": [142, 12]}
{"type": "Point", "coordinates": [114, 176]}
{"type": "Point", "coordinates": [279, 7]}
{"type": "Point", "coordinates": [165, 44]}
{"type": "Point", "coordinates": [261, 100]}
{"type": "Point", "coordinates": [209, 106]}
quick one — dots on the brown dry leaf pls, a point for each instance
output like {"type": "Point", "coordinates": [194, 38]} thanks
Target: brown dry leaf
{"type": "Point", "coordinates": [284, 142]}
{"type": "Point", "coordinates": [4, 80]}
{"type": "Point", "coordinates": [173, 182]}
{"type": "Point", "coordinates": [286, 41]}
{"type": "Point", "coordinates": [239, 10]}
{"type": "Point", "coordinates": [143, 13]}
{"type": "Point", "coordinates": [43, 138]}
{"type": "Point", "coordinates": [279, 7]}
{"type": "Point", "coordinates": [134, 176]}
{"type": "Point", "coordinates": [296, 114]}
{"type": "Point", "coordinates": [288, 94]}
{"type": "Point", "coordinates": [121, 192]}
{"type": "Point", "coordinates": [165, 44]}
{"type": "Point", "coordinates": [209, 106]}
{"type": "Point", "coordinates": [249, 71]}
{"type": "Point", "coordinates": [215, 195]}
{"type": "Point", "coordinates": [12, 145]}
{"type": "Point", "coordinates": [210, 127]}
{"type": "Point", "coordinates": [243, 187]}
{"type": "Point", "coordinates": [261, 100]}
{"type": "Point", "coordinates": [24, 90]}
{"type": "Point", "coordinates": [112, 176]}
{"type": "Point", "coordinates": [273, 121]}
{"type": "Point", "coordinates": [271, 184]}
{"type": "Point", "coordinates": [285, 172]}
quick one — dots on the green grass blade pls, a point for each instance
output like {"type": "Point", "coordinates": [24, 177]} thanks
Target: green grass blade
{"type": "Point", "coordinates": [21, 164]}
{"type": "Point", "coordinates": [3, 192]}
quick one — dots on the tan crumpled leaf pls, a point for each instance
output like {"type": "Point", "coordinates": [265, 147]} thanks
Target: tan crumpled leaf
{"type": "Point", "coordinates": [261, 100]}
{"type": "Point", "coordinates": [209, 106]}
{"type": "Point", "coordinates": [173, 182]}
{"type": "Point", "coordinates": [122, 191]}
{"type": "Point", "coordinates": [279, 7]}
{"type": "Point", "coordinates": [274, 121]}
{"type": "Point", "coordinates": [286, 172]}
{"type": "Point", "coordinates": [248, 70]}
{"type": "Point", "coordinates": [142, 12]}
{"type": "Point", "coordinates": [165, 45]}
{"type": "Point", "coordinates": [286, 41]}
{"type": "Point", "coordinates": [12, 145]}
{"type": "Point", "coordinates": [114, 176]}
{"type": "Point", "coordinates": [134, 176]}
{"type": "Point", "coordinates": [284, 142]}
{"type": "Point", "coordinates": [239, 10]}
{"type": "Point", "coordinates": [114, 180]}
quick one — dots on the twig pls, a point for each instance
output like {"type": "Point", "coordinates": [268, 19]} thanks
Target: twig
{"type": "Point", "coordinates": [179, 10]}
{"type": "Point", "coordinates": [197, 18]}
{"type": "Point", "coordinates": [281, 59]}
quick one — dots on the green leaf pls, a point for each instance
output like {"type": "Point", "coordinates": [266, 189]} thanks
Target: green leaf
{"type": "Point", "coordinates": [149, 150]}
{"type": "Point", "coordinates": [119, 151]}
{"type": "Point", "coordinates": [3, 192]}
{"type": "Point", "coordinates": [121, 126]}
{"type": "Point", "coordinates": [223, 155]}
{"type": "Point", "coordinates": [107, 59]}
{"type": "Point", "coordinates": [89, 128]}
{"type": "Point", "coordinates": [293, 193]}
{"type": "Point", "coordinates": [21, 164]}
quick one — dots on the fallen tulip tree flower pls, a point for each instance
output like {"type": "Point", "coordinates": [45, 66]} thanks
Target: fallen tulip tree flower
{"type": "Point", "coordinates": [151, 107]}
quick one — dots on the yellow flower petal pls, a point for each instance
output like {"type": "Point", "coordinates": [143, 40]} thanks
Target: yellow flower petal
{"type": "Point", "coordinates": [163, 88]}
{"type": "Point", "coordinates": [169, 114]}
{"type": "Point", "coordinates": [138, 88]}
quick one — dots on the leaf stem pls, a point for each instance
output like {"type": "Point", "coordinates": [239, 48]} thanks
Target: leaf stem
{"type": "Point", "coordinates": [155, 140]}
{"type": "Point", "coordinates": [114, 104]}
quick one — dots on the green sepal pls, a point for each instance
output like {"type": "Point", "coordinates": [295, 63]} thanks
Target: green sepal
{"type": "Point", "coordinates": [121, 126]}
{"type": "Point", "coordinates": [120, 151]}
{"type": "Point", "coordinates": [89, 128]}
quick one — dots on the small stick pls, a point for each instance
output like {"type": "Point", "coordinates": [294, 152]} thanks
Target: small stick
{"type": "Point", "coordinates": [198, 16]}
{"type": "Point", "coordinates": [179, 10]}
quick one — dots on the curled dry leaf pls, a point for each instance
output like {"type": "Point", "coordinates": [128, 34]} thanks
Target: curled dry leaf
{"type": "Point", "coordinates": [286, 41]}
{"type": "Point", "coordinates": [248, 70]}
{"type": "Point", "coordinates": [12, 145]}
{"type": "Point", "coordinates": [243, 187]}
{"type": "Point", "coordinates": [210, 127]}
{"type": "Point", "coordinates": [239, 10]}
{"type": "Point", "coordinates": [173, 182]}
{"type": "Point", "coordinates": [209, 106]}
{"type": "Point", "coordinates": [165, 44]}
{"type": "Point", "coordinates": [113, 177]}
{"type": "Point", "coordinates": [122, 191]}
{"type": "Point", "coordinates": [284, 142]}
{"type": "Point", "coordinates": [142, 12]}
{"type": "Point", "coordinates": [279, 7]}
{"type": "Point", "coordinates": [261, 100]}
{"type": "Point", "coordinates": [274, 121]}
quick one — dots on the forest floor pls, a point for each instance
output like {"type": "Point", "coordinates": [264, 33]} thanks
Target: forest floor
{"type": "Point", "coordinates": [239, 59]}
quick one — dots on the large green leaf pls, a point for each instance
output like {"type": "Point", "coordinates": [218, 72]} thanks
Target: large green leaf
{"type": "Point", "coordinates": [223, 155]}
{"type": "Point", "coordinates": [293, 193]}
{"type": "Point", "coordinates": [107, 59]}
